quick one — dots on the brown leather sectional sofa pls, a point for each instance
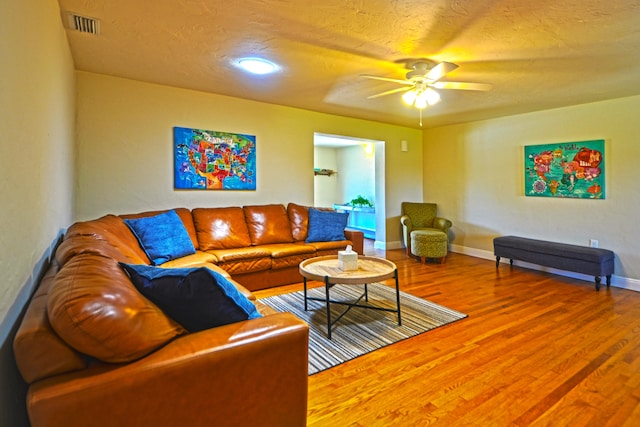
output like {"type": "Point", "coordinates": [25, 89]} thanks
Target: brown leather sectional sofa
{"type": "Point", "coordinates": [95, 352]}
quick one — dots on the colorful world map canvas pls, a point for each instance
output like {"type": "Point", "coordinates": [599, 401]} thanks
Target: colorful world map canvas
{"type": "Point", "coordinates": [565, 170]}
{"type": "Point", "coordinates": [211, 160]}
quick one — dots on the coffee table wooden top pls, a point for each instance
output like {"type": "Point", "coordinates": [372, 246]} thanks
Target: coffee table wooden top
{"type": "Point", "coordinates": [370, 269]}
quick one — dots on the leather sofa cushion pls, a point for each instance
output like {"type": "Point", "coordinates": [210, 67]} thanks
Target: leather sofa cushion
{"type": "Point", "coordinates": [221, 228]}
{"type": "Point", "coordinates": [329, 248]}
{"type": "Point", "coordinates": [250, 252]}
{"type": "Point", "coordinates": [113, 230]}
{"type": "Point", "coordinates": [94, 307]}
{"type": "Point", "coordinates": [283, 250]}
{"type": "Point", "coordinates": [191, 260]}
{"type": "Point", "coordinates": [299, 220]}
{"type": "Point", "coordinates": [289, 261]}
{"type": "Point", "coordinates": [39, 351]}
{"type": "Point", "coordinates": [242, 266]}
{"type": "Point", "coordinates": [268, 224]}
{"type": "Point", "coordinates": [77, 245]}
{"type": "Point", "coordinates": [264, 309]}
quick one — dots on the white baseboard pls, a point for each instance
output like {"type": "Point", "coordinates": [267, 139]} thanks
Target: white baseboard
{"type": "Point", "coordinates": [617, 281]}
{"type": "Point", "coordinates": [383, 246]}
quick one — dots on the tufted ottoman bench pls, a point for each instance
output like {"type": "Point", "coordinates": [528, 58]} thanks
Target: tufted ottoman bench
{"type": "Point", "coordinates": [429, 244]}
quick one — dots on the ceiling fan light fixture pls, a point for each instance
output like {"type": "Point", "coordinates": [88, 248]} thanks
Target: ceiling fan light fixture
{"type": "Point", "coordinates": [421, 103]}
{"type": "Point", "coordinates": [431, 96]}
{"type": "Point", "coordinates": [409, 97]}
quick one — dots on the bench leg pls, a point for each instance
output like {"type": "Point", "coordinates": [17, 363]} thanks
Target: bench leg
{"type": "Point", "coordinates": [599, 279]}
{"type": "Point", "coordinates": [498, 261]}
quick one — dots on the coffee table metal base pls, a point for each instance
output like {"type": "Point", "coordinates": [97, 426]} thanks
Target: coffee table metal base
{"type": "Point", "coordinates": [328, 301]}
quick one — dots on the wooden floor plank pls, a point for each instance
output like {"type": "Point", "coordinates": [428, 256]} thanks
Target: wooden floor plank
{"type": "Point", "coordinates": [536, 349]}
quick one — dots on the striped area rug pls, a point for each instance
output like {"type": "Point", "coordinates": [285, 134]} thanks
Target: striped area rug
{"type": "Point", "coordinates": [360, 330]}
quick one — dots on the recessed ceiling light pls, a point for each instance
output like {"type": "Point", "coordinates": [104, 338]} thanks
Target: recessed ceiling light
{"type": "Point", "coordinates": [257, 65]}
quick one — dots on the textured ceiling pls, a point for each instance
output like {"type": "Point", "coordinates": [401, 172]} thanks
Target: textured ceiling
{"type": "Point", "coordinates": [537, 54]}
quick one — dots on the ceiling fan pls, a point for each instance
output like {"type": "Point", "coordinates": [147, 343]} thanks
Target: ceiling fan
{"type": "Point", "coordinates": [421, 81]}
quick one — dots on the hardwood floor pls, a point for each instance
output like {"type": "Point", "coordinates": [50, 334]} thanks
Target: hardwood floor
{"type": "Point", "coordinates": [537, 349]}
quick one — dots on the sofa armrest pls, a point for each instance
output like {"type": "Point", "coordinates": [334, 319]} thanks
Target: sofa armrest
{"type": "Point", "coordinates": [248, 373]}
{"type": "Point", "coordinates": [357, 238]}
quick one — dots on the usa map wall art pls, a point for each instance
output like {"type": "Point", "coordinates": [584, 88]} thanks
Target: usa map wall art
{"type": "Point", "coordinates": [212, 160]}
{"type": "Point", "coordinates": [565, 170]}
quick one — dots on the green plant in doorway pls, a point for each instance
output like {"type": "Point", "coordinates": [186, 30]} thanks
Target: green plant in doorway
{"type": "Point", "coordinates": [361, 202]}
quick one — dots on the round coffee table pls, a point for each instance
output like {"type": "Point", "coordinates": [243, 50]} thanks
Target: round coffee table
{"type": "Point", "coordinates": [370, 269]}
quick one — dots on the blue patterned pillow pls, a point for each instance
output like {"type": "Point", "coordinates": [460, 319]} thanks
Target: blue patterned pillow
{"type": "Point", "coordinates": [196, 298]}
{"type": "Point", "coordinates": [326, 226]}
{"type": "Point", "coordinates": [163, 237]}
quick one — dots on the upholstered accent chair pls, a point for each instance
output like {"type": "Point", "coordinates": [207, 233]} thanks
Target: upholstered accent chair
{"type": "Point", "coordinates": [421, 216]}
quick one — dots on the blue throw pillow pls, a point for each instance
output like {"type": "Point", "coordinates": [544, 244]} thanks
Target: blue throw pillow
{"type": "Point", "coordinates": [196, 298]}
{"type": "Point", "coordinates": [163, 237]}
{"type": "Point", "coordinates": [326, 226]}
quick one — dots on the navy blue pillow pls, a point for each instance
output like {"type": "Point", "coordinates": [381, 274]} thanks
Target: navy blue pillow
{"type": "Point", "coordinates": [326, 226]}
{"type": "Point", "coordinates": [163, 237]}
{"type": "Point", "coordinates": [196, 298]}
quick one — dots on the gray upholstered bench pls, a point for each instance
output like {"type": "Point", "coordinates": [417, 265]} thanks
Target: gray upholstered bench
{"type": "Point", "coordinates": [579, 259]}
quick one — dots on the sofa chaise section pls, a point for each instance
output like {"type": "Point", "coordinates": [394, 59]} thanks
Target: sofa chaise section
{"type": "Point", "coordinates": [96, 352]}
{"type": "Point", "coordinates": [247, 373]}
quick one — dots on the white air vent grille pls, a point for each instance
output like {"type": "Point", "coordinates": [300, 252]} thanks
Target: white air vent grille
{"type": "Point", "coordinates": [83, 24]}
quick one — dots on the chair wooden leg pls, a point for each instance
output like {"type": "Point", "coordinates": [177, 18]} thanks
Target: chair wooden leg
{"type": "Point", "coordinates": [442, 259]}
{"type": "Point", "coordinates": [423, 260]}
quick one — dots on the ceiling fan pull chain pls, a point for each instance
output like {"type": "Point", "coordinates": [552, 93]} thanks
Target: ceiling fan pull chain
{"type": "Point", "coordinates": [421, 117]}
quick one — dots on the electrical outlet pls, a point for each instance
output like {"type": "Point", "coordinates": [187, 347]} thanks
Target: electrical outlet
{"type": "Point", "coordinates": [593, 243]}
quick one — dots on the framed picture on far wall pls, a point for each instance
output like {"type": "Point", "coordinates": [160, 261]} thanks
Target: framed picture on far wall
{"type": "Point", "coordinates": [565, 170]}
{"type": "Point", "coordinates": [212, 160]}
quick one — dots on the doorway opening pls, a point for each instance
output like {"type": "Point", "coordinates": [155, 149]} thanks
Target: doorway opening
{"type": "Point", "coordinates": [349, 176]}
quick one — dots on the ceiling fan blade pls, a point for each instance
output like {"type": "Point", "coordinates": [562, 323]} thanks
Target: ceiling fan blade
{"type": "Point", "coordinates": [387, 79]}
{"type": "Point", "coordinates": [439, 71]}
{"type": "Point", "coordinates": [461, 85]}
{"type": "Point", "coordinates": [389, 92]}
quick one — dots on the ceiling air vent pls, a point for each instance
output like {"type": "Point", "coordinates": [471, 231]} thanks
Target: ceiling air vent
{"type": "Point", "coordinates": [83, 24]}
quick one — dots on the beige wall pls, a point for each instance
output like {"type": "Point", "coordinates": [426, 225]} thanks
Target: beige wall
{"type": "Point", "coordinates": [125, 148]}
{"type": "Point", "coordinates": [474, 172]}
{"type": "Point", "coordinates": [36, 165]}
{"type": "Point", "coordinates": [357, 173]}
{"type": "Point", "coordinates": [325, 188]}
{"type": "Point", "coordinates": [36, 150]}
